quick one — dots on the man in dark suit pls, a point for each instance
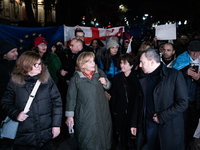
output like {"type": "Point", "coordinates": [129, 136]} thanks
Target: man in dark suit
{"type": "Point", "coordinates": [158, 117]}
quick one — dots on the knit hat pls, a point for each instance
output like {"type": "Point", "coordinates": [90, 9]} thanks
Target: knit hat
{"type": "Point", "coordinates": [194, 46]}
{"type": "Point", "coordinates": [39, 40]}
{"type": "Point", "coordinates": [6, 46]}
{"type": "Point", "coordinates": [111, 43]}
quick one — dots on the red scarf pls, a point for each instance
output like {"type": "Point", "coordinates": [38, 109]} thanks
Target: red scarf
{"type": "Point", "coordinates": [89, 76]}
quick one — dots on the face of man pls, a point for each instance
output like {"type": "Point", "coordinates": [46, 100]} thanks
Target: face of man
{"type": "Point", "coordinates": [184, 40]}
{"type": "Point", "coordinates": [80, 35]}
{"type": "Point", "coordinates": [74, 46]}
{"type": "Point", "coordinates": [146, 64]}
{"type": "Point", "coordinates": [194, 55]}
{"type": "Point", "coordinates": [168, 52]}
{"type": "Point", "coordinates": [11, 55]}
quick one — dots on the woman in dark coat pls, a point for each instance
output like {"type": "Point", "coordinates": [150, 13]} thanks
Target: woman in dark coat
{"type": "Point", "coordinates": [87, 107]}
{"type": "Point", "coordinates": [123, 93]}
{"type": "Point", "coordinates": [42, 123]}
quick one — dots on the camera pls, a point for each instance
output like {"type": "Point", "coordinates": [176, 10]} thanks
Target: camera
{"type": "Point", "coordinates": [196, 68]}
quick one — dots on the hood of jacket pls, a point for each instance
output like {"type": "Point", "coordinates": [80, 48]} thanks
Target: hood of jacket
{"type": "Point", "coordinates": [20, 79]}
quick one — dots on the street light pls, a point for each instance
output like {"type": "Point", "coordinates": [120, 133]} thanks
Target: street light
{"type": "Point", "coordinates": [146, 15]}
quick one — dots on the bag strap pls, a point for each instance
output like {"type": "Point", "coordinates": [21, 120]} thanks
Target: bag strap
{"type": "Point", "coordinates": [31, 96]}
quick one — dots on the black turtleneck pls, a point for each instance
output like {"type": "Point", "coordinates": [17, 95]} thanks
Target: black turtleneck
{"type": "Point", "coordinates": [152, 80]}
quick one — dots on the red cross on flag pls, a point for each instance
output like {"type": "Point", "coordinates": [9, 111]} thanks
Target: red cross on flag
{"type": "Point", "coordinates": [91, 33]}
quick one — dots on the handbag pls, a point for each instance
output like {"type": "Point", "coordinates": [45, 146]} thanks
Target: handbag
{"type": "Point", "coordinates": [108, 96]}
{"type": "Point", "coordinates": [9, 127]}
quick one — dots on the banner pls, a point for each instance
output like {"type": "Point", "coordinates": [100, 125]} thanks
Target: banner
{"type": "Point", "coordinates": [166, 32]}
{"type": "Point", "coordinates": [91, 33]}
{"type": "Point", "coordinates": [23, 36]}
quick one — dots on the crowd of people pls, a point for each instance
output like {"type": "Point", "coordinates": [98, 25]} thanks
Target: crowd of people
{"type": "Point", "coordinates": [155, 92]}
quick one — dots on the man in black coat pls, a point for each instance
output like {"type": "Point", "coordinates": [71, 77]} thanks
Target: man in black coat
{"type": "Point", "coordinates": [76, 48]}
{"type": "Point", "coordinates": [158, 117]}
{"type": "Point", "coordinates": [8, 55]}
{"type": "Point", "coordinates": [192, 78]}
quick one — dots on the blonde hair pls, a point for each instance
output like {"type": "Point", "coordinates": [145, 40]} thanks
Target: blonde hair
{"type": "Point", "coordinates": [82, 59]}
{"type": "Point", "coordinates": [144, 46]}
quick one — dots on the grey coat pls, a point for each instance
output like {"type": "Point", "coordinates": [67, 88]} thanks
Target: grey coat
{"type": "Point", "coordinates": [86, 102]}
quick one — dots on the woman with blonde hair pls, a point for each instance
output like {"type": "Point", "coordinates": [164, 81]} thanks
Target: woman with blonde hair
{"type": "Point", "coordinates": [87, 107]}
{"type": "Point", "coordinates": [43, 120]}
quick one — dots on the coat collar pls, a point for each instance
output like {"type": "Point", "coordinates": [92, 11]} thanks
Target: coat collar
{"type": "Point", "coordinates": [163, 72]}
{"type": "Point", "coordinates": [82, 75]}
{"type": "Point", "coordinates": [21, 79]}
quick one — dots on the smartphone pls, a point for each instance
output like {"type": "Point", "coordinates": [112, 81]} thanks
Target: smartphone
{"type": "Point", "coordinates": [71, 129]}
{"type": "Point", "coordinates": [196, 68]}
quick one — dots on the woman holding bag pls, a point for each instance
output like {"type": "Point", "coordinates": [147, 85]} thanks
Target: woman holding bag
{"type": "Point", "coordinates": [87, 107]}
{"type": "Point", "coordinates": [43, 120]}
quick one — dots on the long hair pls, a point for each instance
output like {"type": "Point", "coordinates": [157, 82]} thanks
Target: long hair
{"type": "Point", "coordinates": [107, 60]}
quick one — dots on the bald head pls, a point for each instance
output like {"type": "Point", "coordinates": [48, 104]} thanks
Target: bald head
{"type": "Point", "coordinates": [76, 45]}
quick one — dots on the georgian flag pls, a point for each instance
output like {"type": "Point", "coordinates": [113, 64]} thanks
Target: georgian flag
{"type": "Point", "coordinates": [91, 33]}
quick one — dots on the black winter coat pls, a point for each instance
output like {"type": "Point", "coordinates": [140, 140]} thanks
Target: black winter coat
{"type": "Point", "coordinates": [6, 68]}
{"type": "Point", "coordinates": [122, 105]}
{"type": "Point", "coordinates": [170, 100]}
{"type": "Point", "coordinates": [45, 111]}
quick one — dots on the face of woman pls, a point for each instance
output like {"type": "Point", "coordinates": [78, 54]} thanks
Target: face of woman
{"type": "Point", "coordinates": [113, 50]}
{"type": "Point", "coordinates": [95, 44]}
{"type": "Point", "coordinates": [125, 66]}
{"type": "Point", "coordinates": [36, 69]}
{"type": "Point", "coordinates": [89, 66]}
{"type": "Point", "coordinates": [42, 47]}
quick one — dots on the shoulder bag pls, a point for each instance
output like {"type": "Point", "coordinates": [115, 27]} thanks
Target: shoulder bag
{"type": "Point", "coordinates": [9, 127]}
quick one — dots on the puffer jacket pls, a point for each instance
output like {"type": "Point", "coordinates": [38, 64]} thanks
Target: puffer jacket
{"type": "Point", "coordinates": [45, 111]}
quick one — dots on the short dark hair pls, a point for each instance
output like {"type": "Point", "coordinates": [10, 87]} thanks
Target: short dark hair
{"type": "Point", "coordinates": [130, 58]}
{"type": "Point", "coordinates": [171, 45]}
{"type": "Point", "coordinates": [151, 53]}
{"type": "Point", "coordinates": [79, 30]}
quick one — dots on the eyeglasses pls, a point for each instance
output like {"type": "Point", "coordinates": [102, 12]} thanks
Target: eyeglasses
{"type": "Point", "coordinates": [42, 44]}
{"type": "Point", "coordinates": [78, 37]}
{"type": "Point", "coordinates": [71, 45]}
{"type": "Point", "coordinates": [36, 65]}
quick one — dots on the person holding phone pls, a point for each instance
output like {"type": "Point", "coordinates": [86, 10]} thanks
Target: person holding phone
{"type": "Point", "coordinates": [190, 71]}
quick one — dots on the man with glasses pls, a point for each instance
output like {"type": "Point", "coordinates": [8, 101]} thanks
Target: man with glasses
{"type": "Point", "coordinates": [76, 48]}
{"type": "Point", "coordinates": [79, 34]}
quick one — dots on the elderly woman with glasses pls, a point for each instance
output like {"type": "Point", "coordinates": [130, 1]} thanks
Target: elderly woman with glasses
{"type": "Point", "coordinates": [43, 120]}
{"type": "Point", "coordinates": [87, 107]}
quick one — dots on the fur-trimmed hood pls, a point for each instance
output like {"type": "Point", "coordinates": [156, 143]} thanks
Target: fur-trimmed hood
{"type": "Point", "coordinates": [20, 79]}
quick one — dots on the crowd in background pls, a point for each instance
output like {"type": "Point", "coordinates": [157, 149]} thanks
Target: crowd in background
{"type": "Point", "coordinates": [84, 73]}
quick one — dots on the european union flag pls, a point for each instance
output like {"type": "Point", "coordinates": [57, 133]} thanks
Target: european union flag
{"type": "Point", "coordinates": [134, 31]}
{"type": "Point", "coordinates": [23, 36]}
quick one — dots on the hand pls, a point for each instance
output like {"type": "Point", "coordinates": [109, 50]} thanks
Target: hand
{"type": "Point", "coordinates": [55, 132]}
{"type": "Point", "coordinates": [155, 118]}
{"type": "Point", "coordinates": [191, 72]}
{"type": "Point", "coordinates": [103, 81]}
{"type": "Point", "coordinates": [53, 49]}
{"type": "Point", "coordinates": [69, 121]}
{"type": "Point", "coordinates": [134, 131]}
{"type": "Point", "coordinates": [22, 116]}
{"type": "Point", "coordinates": [155, 39]}
{"type": "Point", "coordinates": [107, 32]}
{"type": "Point", "coordinates": [63, 72]}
